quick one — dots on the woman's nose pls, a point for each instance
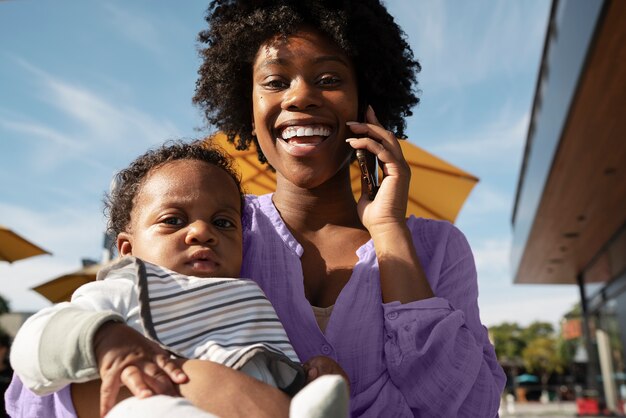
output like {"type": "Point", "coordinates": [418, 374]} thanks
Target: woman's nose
{"type": "Point", "coordinates": [301, 95]}
{"type": "Point", "coordinates": [200, 232]}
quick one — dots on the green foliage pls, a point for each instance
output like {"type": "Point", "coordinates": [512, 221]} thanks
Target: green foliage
{"type": "Point", "coordinates": [539, 348]}
{"type": "Point", "coordinates": [4, 308]}
{"type": "Point", "coordinates": [4, 305]}
{"type": "Point", "coordinates": [538, 329]}
{"type": "Point", "coordinates": [508, 341]}
{"type": "Point", "coordinates": [541, 356]}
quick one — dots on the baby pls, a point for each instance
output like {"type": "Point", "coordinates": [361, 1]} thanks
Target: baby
{"type": "Point", "coordinates": [176, 212]}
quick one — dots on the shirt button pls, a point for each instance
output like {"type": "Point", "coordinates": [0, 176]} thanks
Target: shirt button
{"type": "Point", "coordinates": [326, 349]}
{"type": "Point", "coordinates": [392, 315]}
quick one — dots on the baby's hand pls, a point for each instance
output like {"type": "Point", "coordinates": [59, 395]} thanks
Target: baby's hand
{"type": "Point", "coordinates": [321, 365]}
{"type": "Point", "coordinates": [125, 357]}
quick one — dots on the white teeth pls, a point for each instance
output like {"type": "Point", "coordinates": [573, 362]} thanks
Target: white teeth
{"type": "Point", "coordinates": [294, 131]}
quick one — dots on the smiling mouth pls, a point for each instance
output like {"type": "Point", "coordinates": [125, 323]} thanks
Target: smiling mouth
{"type": "Point", "coordinates": [307, 135]}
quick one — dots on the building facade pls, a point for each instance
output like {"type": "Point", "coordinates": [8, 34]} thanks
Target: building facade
{"type": "Point", "coordinates": [569, 216]}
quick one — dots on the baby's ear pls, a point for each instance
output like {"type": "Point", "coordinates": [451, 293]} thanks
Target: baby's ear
{"type": "Point", "coordinates": [124, 244]}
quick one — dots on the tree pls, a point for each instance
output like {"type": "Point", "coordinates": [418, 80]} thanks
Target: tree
{"type": "Point", "coordinates": [542, 356]}
{"type": "Point", "coordinates": [4, 308]}
{"type": "Point", "coordinates": [508, 341]}
{"type": "Point", "coordinates": [4, 305]}
{"type": "Point", "coordinates": [538, 329]}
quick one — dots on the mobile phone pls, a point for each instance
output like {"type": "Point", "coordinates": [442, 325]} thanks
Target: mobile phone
{"type": "Point", "coordinates": [368, 163]}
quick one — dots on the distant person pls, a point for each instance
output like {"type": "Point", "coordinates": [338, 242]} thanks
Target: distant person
{"type": "Point", "coordinates": [6, 372]}
{"type": "Point", "coordinates": [176, 213]}
{"type": "Point", "coordinates": [393, 300]}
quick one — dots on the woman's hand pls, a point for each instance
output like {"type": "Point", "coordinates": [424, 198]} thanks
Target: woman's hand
{"type": "Point", "coordinates": [321, 365]}
{"type": "Point", "coordinates": [401, 275]}
{"type": "Point", "coordinates": [125, 357]}
{"type": "Point", "coordinates": [388, 209]}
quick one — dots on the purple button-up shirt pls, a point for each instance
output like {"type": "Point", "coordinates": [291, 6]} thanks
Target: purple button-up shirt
{"type": "Point", "coordinates": [429, 358]}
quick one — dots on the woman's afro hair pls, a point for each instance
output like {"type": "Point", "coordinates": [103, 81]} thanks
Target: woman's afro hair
{"type": "Point", "coordinates": [119, 202]}
{"type": "Point", "coordinates": [363, 29]}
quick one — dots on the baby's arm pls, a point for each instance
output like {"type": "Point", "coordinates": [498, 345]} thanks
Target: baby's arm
{"type": "Point", "coordinates": [86, 338]}
{"type": "Point", "coordinates": [53, 347]}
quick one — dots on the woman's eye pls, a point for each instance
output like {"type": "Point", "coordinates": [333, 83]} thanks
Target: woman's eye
{"type": "Point", "coordinates": [329, 81]}
{"type": "Point", "coordinates": [276, 84]}
{"type": "Point", "coordinates": [173, 220]}
{"type": "Point", "coordinates": [223, 223]}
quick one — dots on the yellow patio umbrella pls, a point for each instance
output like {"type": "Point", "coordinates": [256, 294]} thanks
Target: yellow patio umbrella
{"type": "Point", "coordinates": [14, 247]}
{"type": "Point", "coordinates": [61, 289]}
{"type": "Point", "coordinates": [438, 189]}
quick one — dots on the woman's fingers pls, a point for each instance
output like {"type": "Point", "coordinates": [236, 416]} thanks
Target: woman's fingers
{"type": "Point", "coordinates": [380, 139]}
{"type": "Point", "coordinates": [392, 197]}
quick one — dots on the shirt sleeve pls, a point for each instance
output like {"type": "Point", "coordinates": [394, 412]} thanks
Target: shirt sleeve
{"type": "Point", "coordinates": [53, 348]}
{"type": "Point", "coordinates": [438, 352]}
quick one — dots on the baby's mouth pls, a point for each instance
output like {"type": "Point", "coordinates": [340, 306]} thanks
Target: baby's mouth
{"type": "Point", "coordinates": [305, 135]}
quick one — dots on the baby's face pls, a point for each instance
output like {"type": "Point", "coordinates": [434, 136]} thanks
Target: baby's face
{"type": "Point", "coordinates": [187, 218]}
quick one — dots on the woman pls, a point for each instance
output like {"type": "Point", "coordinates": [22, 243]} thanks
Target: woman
{"type": "Point", "coordinates": [308, 82]}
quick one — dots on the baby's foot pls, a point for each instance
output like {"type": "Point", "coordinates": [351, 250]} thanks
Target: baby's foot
{"type": "Point", "coordinates": [326, 397]}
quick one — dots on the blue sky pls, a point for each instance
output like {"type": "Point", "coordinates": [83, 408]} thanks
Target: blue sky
{"type": "Point", "coordinates": [85, 87]}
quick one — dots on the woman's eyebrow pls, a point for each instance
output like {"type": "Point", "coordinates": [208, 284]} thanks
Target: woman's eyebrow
{"type": "Point", "coordinates": [317, 60]}
{"type": "Point", "coordinates": [331, 58]}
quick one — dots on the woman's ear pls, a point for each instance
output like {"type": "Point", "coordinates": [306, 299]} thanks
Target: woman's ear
{"type": "Point", "coordinates": [253, 129]}
{"type": "Point", "coordinates": [124, 244]}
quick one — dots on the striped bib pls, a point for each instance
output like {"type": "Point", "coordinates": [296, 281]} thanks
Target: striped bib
{"type": "Point", "coordinates": [225, 320]}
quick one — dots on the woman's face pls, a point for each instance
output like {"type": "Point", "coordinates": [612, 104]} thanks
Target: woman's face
{"type": "Point", "coordinates": [304, 91]}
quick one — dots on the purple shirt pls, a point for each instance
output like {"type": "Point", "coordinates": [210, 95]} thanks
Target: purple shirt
{"type": "Point", "coordinates": [427, 358]}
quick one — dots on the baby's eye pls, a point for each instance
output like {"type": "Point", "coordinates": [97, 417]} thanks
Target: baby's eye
{"type": "Point", "coordinates": [223, 223]}
{"type": "Point", "coordinates": [173, 220]}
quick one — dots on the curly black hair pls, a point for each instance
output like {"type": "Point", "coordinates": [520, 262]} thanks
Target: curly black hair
{"type": "Point", "coordinates": [119, 202]}
{"type": "Point", "coordinates": [363, 29]}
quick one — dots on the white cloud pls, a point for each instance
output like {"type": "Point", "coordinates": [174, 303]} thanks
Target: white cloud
{"type": "Point", "coordinates": [68, 233]}
{"type": "Point", "coordinates": [108, 122]}
{"type": "Point", "coordinates": [20, 277]}
{"type": "Point", "coordinates": [484, 199]}
{"type": "Point", "coordinates": [492, 259]}
{"type": "Point", "coordinates": [525, 305]}
{"type": "Point", "coordinates": [135, 27]}
{"type": "Point", "coordinates": [503, 137]}
{"type": "Point", "coordinates": [501, 300]}
{"type": "Point", "coordinates": [96, 123]}
{"type": "Point", "coordinates": [65, 231]}
{"type": "Point", "coordinates": [508, 36]}
{"type": "Point", "coordinates": [44, 132]}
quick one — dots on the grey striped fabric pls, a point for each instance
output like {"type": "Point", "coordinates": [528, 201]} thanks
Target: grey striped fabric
{"type": "Point", "coordinates": [225, 320]}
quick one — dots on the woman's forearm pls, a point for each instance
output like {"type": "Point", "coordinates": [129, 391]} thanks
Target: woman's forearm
{"type": "Point", "coordinates": [225, 392]}
{"type": "Point", "coordinates": [402, 278]}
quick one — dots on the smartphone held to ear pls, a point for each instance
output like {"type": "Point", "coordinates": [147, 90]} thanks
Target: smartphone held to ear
{"type": "Point", "coordinates": [369, 171]}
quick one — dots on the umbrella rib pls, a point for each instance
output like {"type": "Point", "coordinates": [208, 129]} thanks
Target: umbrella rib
{"type": "Point", "coordinates": [259, 170]}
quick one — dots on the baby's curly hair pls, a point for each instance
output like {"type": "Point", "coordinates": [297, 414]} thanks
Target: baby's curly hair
{"type": "Point", "coordinates": [119, 202]}
{"type": "Point", "coordinates": [363, 29]}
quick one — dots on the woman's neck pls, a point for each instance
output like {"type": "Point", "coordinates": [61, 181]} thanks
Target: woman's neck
{"type": "Point", "coordinates": [332, 203]}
